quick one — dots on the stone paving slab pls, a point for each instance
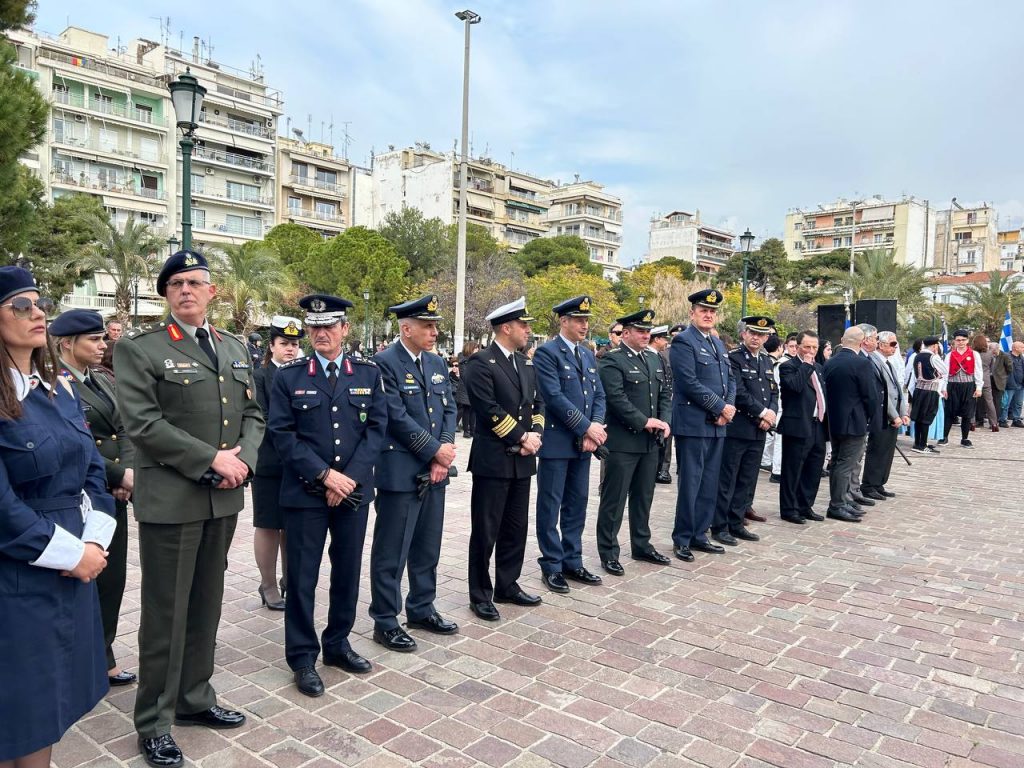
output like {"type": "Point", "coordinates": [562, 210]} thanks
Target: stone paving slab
{"type": "Point", "coordinates": [893, 643]}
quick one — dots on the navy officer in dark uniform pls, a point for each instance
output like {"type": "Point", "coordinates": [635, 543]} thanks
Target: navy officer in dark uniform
{"type": "Point", "coordinates": [757, 407]}
{"type": "Point", "coordinates": [702, 406]}
{"type": "Point", "coordinates": [328, 419]}
{"type": "Point", "coordinates": [502, 389]}
{"type": "Point", "coordinates": [574, 403]}
{"type": "Point", "coordinates": [412, 473]}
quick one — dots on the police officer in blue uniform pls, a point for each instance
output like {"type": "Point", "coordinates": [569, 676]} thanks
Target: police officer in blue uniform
{"type": "Point", "coordinates": [412, 473]}
{"type": "Point", "coordinates": [328, 419]}
{"type": "Point", "coordinates": [757, 407]}
{"type": "Point", "coordinates": [702, 405]}
{"type": "Point", "coordinates": [575, 406]}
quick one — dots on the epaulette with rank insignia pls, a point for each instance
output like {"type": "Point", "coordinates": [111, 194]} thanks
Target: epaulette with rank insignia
{"type": "Point", "coordinates": [362, 361]}
{"type": "Point", "coordinates": [295, 362]}
{"type": "Point", "coordinates": [142, 330]}
{"type": "Point", "coordinates": [613, 351]}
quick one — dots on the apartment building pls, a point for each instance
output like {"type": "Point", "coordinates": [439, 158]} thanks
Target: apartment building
{"type": "Point", "coordinates": [905, 228]}
{"type": "Point", "coordinates": [1011, 257]}
{"type": "Point", "coordinates": [585, 209]}
{"type": "Point", "coordinates": [682, 235]}
{"type": "Point", "coordinates": [315, 186]}
{"type": "Point", "coordinates": [946, 288]}
{"type": "Point", "coordinates": [966, 240]}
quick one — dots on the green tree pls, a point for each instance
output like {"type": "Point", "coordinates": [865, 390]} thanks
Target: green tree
{"type": "Point", "coordinates": [60, 242]}
{"type": "Point", "coordinates": [424, 243]}
{"type": "Point", "coordinates": [767, 267]}
{"type": "Point", "coordinates": [19, 213]}
{"type": "Point", "coordinates": [126, 255]}
{"type": "Point", "coordinates": [292, 243]}
{"type": "Point", "coordinates": [986, 304]}
{"type": "Point", "coordinates": [251, 281]}
{"type": "Point", "coordinates": [878, 276]}
{"type": "Point", "coordinates": [542, 253]}
{"type": "Point", "coordinates": [556, 284]}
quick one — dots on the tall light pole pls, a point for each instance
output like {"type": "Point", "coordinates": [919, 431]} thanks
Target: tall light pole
{"type": "Point", "coordinates": [746, 242]}
{"type": "Point", "coordinates": [935, 299]}
{"type": "Point", "coordinates": [366, 323]}
{"type": "Point", "coordinates": [187, 97]}
{"type": "Point", "coordinates": [469, 18]}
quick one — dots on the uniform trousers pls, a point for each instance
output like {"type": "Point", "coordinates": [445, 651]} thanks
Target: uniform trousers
{"type": "Point", "coordinates": [110, 583]}
{"type": "Point", "coordinates": [665, 455]}
{"type": "Point", "coordinates": [878, 458]}
{"type": "Point", "coordinates": [698, 460]}
{"type": "Point", "coordinates": [562, 489]}
{"type": "Point", "coordinates": [632, 475]}
{"type": "Point", "coordinates": [499, 518]}
{"type": "Point", "coordinates": [737, 481]}
{"type": "Point", "coordinates": [960, 401]}
{"type": "Point", "coordinates": [802, 460]}
{"type": "Point", "coordinates": [182, 592]}
{"type": "Point", "coordinates": [306, 529]}
{"type": "Point", "coordinates": [406, 535]}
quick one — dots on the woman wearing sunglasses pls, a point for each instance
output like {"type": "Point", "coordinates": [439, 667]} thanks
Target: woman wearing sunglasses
{"type": "Point", "coordinates": [56, 521]}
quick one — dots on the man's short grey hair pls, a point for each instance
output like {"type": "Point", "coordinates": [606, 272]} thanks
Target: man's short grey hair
{"type": "Point", "coordinates": [869, 330]}
{"type": "Point", "coordinates": [886, 336]}
{"type": "Point", "coordinates": [741, 327]}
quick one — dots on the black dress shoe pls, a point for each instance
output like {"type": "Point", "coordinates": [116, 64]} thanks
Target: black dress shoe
{"type": "Point", "coordinates": [394, 639]}
{"type": "Point", "coordinates": [724, 537]}
{"type": "Point", "coordinates": [746, 535]}
{"type": "Point", "coordinates": [873, 494]}
{"type": "Point", "coordinates": [887, 494]}
{"type": "Point", "coordinates": [842, 514]}
{"type": "Point", "coordinates": [214, 717]}
{"type": "Point", "coordinates": [707, 546]}
{"type": "Point", "coordinates": [652, 556]}
{"type": "Point", "coordinates": [614, 567]}
{"type": "Point", "coordinates": [664, 478]}
{"type": "Point", "coordinates": [862, 500]}
{"type": "Point", "coordinates": [435, 623]}
{"type": "Point", "coordinates": [309, 682]}
{"type": "Point", "coordinates": [485, 610]}
{"type": "Point", "coordinates": [810, 514]}
{"type": "Point", "coordinates": [773, 478]}
{"type": "Point", "coordinates": [273, 605]}
{"type": "Point", "coordinates": [161, 751]}
{"type": "Point", "coordinates": [855, 511]}
{"type": "Point", "coordinates": [683, 553]}
{"type": "Point", "coordinates": [795, 519]}
{"type": "Point", "coordinates": [555, 582]}
{"type": "Point", "coordinates": [121, 678]}
{"type": "Point", "coordinates": [583, 576]}
{"type": "Point", "coordinates": [350, 661]}
{"type": "Point", "coordinates": [519, 597]}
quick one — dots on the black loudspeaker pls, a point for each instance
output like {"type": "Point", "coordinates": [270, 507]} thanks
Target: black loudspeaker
{"type": "Point", "coordinates": [880, 313]}
{"type": "Point", "coordinates": [831, 324]}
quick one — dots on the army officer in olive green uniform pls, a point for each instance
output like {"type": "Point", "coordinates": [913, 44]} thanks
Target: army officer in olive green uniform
{"type": "Point", "coordinates": [639, 405]}
{"type": "Point", "coordinates": [187, 402]}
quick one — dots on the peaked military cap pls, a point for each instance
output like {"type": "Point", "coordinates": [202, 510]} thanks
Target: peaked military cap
{"type": "Point", "coordinates": [709, 297]}
{"type": "Point", "coordinates": [286, 327]}
{"type": "Point", "coordinates": [514, 310]}
{"type": "Point", "coordinates": [577, 306]}
{"type": "Point", "coordinates": [15, 280]}
{"type": "Point", "coordinates": [644, 319]}
{"type": "Point", "coordinates": [76, 322]}
{"type": "Point", "coordinates": [677, 328]}
{"type": "Point", "coordinates": [322, 309]}
{"type": "Point", "coordinates": [759, 323]}
{"type": "Point", "coordinates": [423, 308]}
{"type": "Point", "coordinates": [182, 261]}
{"type": "Point", "coordinates": [658, 331]}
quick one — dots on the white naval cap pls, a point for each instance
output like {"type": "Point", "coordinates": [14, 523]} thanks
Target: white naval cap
{"type": "Point", "coordinates": [514, 310]}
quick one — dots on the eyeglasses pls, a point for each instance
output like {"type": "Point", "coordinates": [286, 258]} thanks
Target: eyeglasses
{"type": "Point", "coordinates": [193, 284]}
{"type": "Point", "coordinates": [21, 306]}
{"type": "Point", "coordinates": [616, 333]}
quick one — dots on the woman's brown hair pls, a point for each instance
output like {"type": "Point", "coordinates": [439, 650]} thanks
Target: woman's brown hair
{"type": "Point", "coordinates": [44, 361]}
{"type": "Point", "coordinates": [980, 343]}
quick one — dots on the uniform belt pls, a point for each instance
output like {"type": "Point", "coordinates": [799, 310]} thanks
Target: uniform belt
{"type": "Point", "coordinates": [57, 502]}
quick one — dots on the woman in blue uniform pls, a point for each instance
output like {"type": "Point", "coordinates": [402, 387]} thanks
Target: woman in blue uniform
{"type": "Point", "coordinates": [56, 521]}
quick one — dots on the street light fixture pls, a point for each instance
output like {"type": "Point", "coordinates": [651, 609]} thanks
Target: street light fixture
{"type": "Point", "coordinates": [935, 299]}
{"type": "Point", "coordinates": [746, 243]}
{"type": "Point", "coordinates": [187, 97]}
{"type": "Point", "coordinates": [366, 323]}
{"type": "Point", "coordinates": [641, 299]}
{"type": "Point", "coordinates": [469, 18]}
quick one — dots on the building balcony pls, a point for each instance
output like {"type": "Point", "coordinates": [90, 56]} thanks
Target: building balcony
{"type": "Point", "coordinates": [220, 195]}
{"type": "Point", "coordinates": [83, 64]}
{"type": "Point", "coordinates": [232, 228]}
{"type": "Point", "coordinates": [121, 112]}
{"type": "Point", "coordinates": [324, 187]}
{"type": "Point", "coordinates": [722, 245]}
{"type": "Point", "coordinates": [255, 130]}
{"type": "Point", "coordinates": [79, 301]}
{"type": "Point", "coordinates": [608, 237]}
{"type": "Point", "coordinates": [83, 182]}
{"type": "Point", "coordinates": [336, 219]}
{"type": "Point", "coordinates": [93, 146]}
{"type": "Point", "coordinates": [232, 160]}
{"type": "Point", "coordinates": [846, 229]}
{"type": "Point", "coordinates": [530, 197]}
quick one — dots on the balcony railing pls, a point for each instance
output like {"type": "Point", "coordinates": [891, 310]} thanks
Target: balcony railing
{"type": "Point", "coordinates": [722, 244]}
{"type": "Point", "coordinates": [310, 181]}
{"type": "Point", "coordinates": [104, 69]}
{"type": "Point", "coordinates": [231, 158]}
{"type": "Point", "coordinates": [610, 237]}
{"type": "Point", "coordinates": [94, 144]}
{"type": "Point", "coordinates": [307, 213]}
{"type": "Point", "coordinates": [223, 194]}
{"type": "Point", "coordinates": [82, 181]}
{"type": "Point", "coordinates": [88, 302]}
{"type": "Point", "coordinates": [233, 228]}
{"type": "Point", "coordinates": [238, 126]}
{"type": "Point", "coordinates": [108, 108]}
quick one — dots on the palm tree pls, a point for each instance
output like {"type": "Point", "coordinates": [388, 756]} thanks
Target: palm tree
{"type": "Point", "coordinates": [987, 304]}
{"type": "Point", "coordinates": [127, 256]}
{"type": "Point", "coordinates": [877, 276]}
{"type": "Point", "coordinates": [252, 283]}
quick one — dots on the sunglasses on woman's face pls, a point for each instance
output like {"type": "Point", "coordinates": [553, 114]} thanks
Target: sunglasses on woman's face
{"type": "Point", "coordinates": [21, 306]}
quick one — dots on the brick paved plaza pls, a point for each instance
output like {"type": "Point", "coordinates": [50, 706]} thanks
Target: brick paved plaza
{"type": "Point", "coordinates": [896, 642]}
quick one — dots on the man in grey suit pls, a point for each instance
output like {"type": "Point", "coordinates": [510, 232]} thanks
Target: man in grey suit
{"type": "Point", "coordinates": [882, 443]}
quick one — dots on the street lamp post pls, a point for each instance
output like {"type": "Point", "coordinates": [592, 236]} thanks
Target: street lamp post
{"type": "Point", "coordinates": [469, 18]}
{"type": "Point", "coordinates": [187, 96]}
{"type": "Point", "coordinates": [935, 298]}
{"type": "Point", "coordinates": [746, 242]}
{"type": "Point", "coordinates": [366, 324]}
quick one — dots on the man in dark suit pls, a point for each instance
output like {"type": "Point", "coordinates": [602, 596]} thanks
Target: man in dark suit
{"type": "Point", "coordinates": [661, 337]}
{"type": "Point", "coordinates": [639, 403]}
{"type": "Point", "coordinates": [502, 389]}
{"type": "Point", "coordinates": [757, 403]}
{"type": "Point", "coordinates": [851, 397]}
{"type": "Point", "coordinates": [876, 418]}
{"type": "Point", "coordinates": [804, 429]}
{"type": "Point", "coordinates": [79, 337]}
{"type": "Point", "coordinates": [575, 406]}
{"type": "Point", "coordinates": [702, 405]}
{"type": "Point", "coordinates": [882, 443]}
{"type": "Point", "coordinates": [328, 419]}
{"type": "Point", "coordinates": [412, 474]}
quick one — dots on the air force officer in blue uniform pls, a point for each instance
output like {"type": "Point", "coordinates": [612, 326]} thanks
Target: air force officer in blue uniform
{"type": "Point", "coordinates": [575, 406]}
{"type": "Point", "coordinates": [328, 419]}
{"type": "Point", "coordinates": [702, 405]}
{"type": "Point", "coordinates": [412, 473]}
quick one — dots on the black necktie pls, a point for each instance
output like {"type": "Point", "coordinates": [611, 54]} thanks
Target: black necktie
{"type": "Point", "coordinates": [203, 339]}
{"type": "Point", "coordinates": [332, 373]}
{"type": "Point", "coordinates": [90, 382]}
{"type": "Point", "coordinates": [578, 356]}
{"type": "Point", "coordinates": [419, 368]}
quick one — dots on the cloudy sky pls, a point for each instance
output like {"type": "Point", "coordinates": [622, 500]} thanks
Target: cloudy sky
{"type": "Point", "coordinates": [742, 109]}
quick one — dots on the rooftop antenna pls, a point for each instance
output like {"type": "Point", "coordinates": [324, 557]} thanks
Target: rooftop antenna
{"type": "Point", "coordinates": [209, 50]}
{"type": "Point", "coordinates": [309, 123]}
{"type": "Point", "coordinates": [330, 132]}
{"type": "Point", "coordinates": [512, 160]}
{"type": "Point", "coordinates": [321, 131]}
{"type": "Point", "coordinates": [346, 140]}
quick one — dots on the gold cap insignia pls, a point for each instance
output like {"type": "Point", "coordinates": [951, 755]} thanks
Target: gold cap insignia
{"type": "Point", "coordinates": [291, 330]}
{"type": "Point", "coordinates": [585, 305]}
{"type": "Point", "coordinates": [190, 260]}
{"type": "Point", "coordinates": [712, 298]}
{"type": "Point", "coordinates": [432, 304]}
{"type": "Point", "coordinates": [648, 316]}
{"type": "Point", "coordinates": [762, 323]}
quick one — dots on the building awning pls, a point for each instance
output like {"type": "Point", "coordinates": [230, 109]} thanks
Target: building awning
{"type": "Point", "coordinates": [525, 206]}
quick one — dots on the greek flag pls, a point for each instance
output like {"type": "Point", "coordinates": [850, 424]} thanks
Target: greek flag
{"type": "Point", "coordinates": [945, 337]}
{"type": "Point", "coordinates": [1006, 340]}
